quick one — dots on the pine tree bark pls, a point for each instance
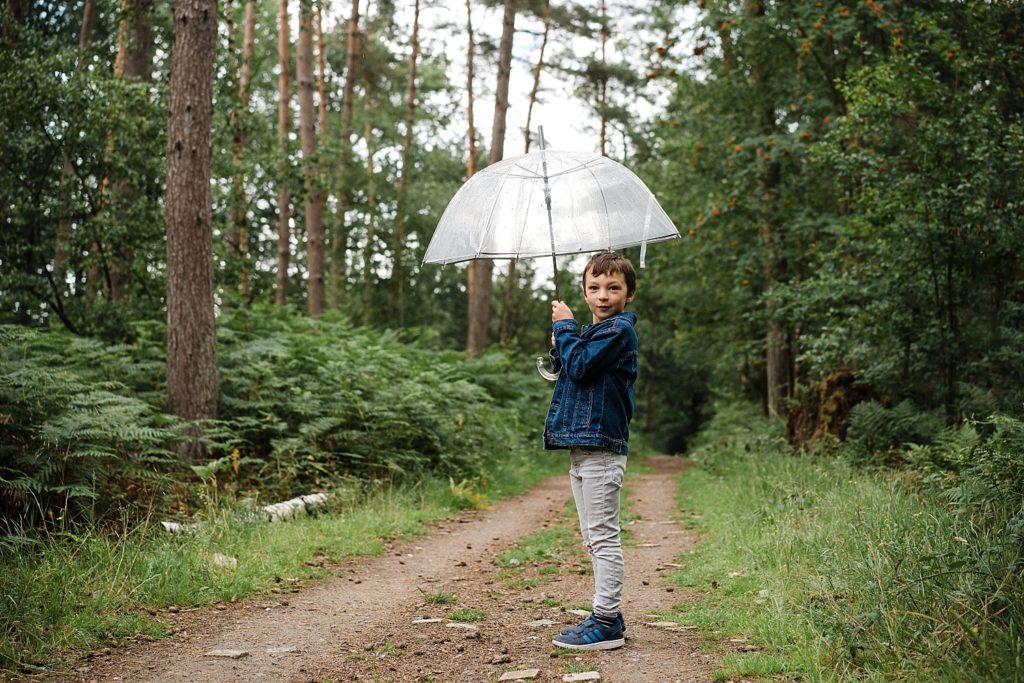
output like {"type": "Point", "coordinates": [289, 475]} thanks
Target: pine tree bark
{"type": "Point", "coordinates": [133, 62]}
{"type": "Point", "coordinates": [471, 133]}
{"type": "Point", "coordinates": [371, 205]}
{"type": "Point", "coordinates": [60, 257]}
{"type": "Point", "coordinates": [403, 179]}
{"type": "Point", "coordinates": [314, 195]}
{"type": "Point", "coordinates": [239, 113]}
{"type": "Point", "coordinates": [321, 68]}
{"type": "Point", "coordinates": [339, 241]}
{"type": "Point", "coordinates": [779, 378]}
{"type": "Point", "coordinates": [192, 378]}
{"type": "Point", "coordinates": [283, 126]}
{"type": "Point", "coordinates": [511, 280]}
{"type": "Point", "coordinates": [480, 270]}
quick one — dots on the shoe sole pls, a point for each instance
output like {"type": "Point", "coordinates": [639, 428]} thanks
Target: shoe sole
{"type": "Point", "coordinates": [603, 645]}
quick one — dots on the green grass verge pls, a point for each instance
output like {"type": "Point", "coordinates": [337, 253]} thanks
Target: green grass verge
{"type": "Point", "coordinates": [829, 573]}
{"type": "Point", "coordinates": [73, 592]}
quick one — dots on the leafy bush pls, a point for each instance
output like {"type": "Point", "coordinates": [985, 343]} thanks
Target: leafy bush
{"type": "Point", "coordinates": [845, 573]}
{"type": "Point", "coordinates": [877, 433]}
{"type": "Point", "coordinates": [74, 439]}
{"type": "Point", "coordinates": [305, 403]}
{"type": "Point", "coordinates": [312, 399]}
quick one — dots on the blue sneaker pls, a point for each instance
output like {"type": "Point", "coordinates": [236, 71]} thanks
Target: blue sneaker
{"type": "Point", "coordinates": [589, 621]}
{"type": "Point", "coordinates": [591, 634]}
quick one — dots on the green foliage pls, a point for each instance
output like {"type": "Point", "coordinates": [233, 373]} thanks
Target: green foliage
{"type": "Point", "coordinates": [875, 431]}
{"type": "Point", "coordinates": [467, 614]}
{"type": "Point", "coordinates": [76, 442]}
{"type": "Point", "coordinates": [318, 399]}
{"type": "Point", "coordinates": [102, 214]}
{"type": "Point", "coordinates": [305, 404]}
{"type": "Point", "coordinates": [838, 573]}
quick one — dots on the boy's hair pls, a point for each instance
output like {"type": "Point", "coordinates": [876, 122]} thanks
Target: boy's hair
{"type": "Point", "coordinates": [610, 263]}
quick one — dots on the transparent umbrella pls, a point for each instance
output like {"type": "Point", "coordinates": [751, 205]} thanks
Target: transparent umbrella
{"type": "Point", "coordinates": [545, 204]}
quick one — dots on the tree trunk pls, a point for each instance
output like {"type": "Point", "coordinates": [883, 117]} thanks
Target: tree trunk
{"type": "Point", "coordinates": [133, 62]}
{"type": "Point", "coordinates": [239, 113]}
{"type": "Point", "coordinates": [192, 380]}
{"type": "Point", "coordinates": [403, 179]}
{"type": "Point", "coordinates": [283, 125]}
{"type": "Point", "coordinates": [779, 382]}
{"type": "Point", "coordinates": [321, 69]}
{"type": "Point", "coordinates": [60, 256]}
{"type": "Point", "coordinates": [480, 270]}
{"type": "Point", "coordinates": [371, 206]}
{"type": "Point", "coordinates": [471, 159]}
{"type": "Point", "coordinates": [16, 10]}
{"type": "Point", "coordinates": [511, 283]}
{"type": "Point", "coordinates": [339, 241]}
{"type": "Point", "coordinates": [314, 195]}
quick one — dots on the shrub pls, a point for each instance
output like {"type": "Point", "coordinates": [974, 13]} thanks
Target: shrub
{"type": "Point", "coordinates": [877, 434]}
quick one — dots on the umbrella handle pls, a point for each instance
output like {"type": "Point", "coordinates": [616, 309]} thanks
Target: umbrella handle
{"type": "Point", "coordinates": [544, 372]}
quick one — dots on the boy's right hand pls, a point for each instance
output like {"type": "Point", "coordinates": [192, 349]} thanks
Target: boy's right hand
{"type": "Point", "coordinates": [559, 311]}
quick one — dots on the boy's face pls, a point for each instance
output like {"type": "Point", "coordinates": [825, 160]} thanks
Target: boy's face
{"type": "Point", "coordinates": [606, 294]}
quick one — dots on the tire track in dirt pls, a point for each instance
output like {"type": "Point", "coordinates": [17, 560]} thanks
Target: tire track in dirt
{"type": "Point", "coordinates": [359, 626]}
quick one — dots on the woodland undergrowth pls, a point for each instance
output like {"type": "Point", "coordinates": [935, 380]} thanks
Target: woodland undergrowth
{"type": "Point", "coordinates": [831, 568]}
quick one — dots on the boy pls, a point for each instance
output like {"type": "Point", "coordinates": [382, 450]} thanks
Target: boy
{"type": "Point", "coordinates": [589, 414]}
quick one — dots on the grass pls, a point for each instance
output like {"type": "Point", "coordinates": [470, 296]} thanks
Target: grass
{"type": "Point", "coordinates": [835, 573]}
{"type": "Point", "coordinates": [77, 591]}
{"type": "Point", "coordinates": [466, 614]}
{"type": "Point", "coordinates": [440, 597]}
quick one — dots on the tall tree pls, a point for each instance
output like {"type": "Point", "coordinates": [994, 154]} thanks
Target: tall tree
{"type": "Point", "coordinates": [480, 270]}
{"type": "Point", "coordinates": [403, 179]}
{"type": "Point", "coordinates": [779, 380]}
{"type": "Point", "coordinates": [321, 72]}
{"type": "Point", "coordinates": [239, 114]}
{"type": "Point", "coordinates": [371, 199]}
{"type": "Point", "coordinates": [471, 132]}
{"type": "Point", "coordinates": [134, 62]}
{"type": "Point", "coordinates": [339, 240]}
{"type": "Point", "coordinates": [283, 126]}
{"type": "Point", "coordinates": [314, 194]}
{"type": "Point", "coordinates": [60, 256]}
{"type": "Point", "coordinates": [192, 379]}
{"type": "Point", "coordinates": [505, 328]}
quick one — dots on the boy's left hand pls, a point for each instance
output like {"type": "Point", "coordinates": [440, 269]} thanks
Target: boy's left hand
{"type": "Point", "coordinates": [559, 311]}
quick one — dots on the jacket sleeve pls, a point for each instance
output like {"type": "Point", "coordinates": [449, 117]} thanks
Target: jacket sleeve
{"type": "Point", "coordinates": [581, 359]}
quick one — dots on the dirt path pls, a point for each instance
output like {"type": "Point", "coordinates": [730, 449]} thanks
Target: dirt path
{"type": "Point", "coordinates": [361, 626]}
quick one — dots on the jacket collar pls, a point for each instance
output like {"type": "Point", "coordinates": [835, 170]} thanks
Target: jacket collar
{"type": "Point", "coordinates": [628, 316]}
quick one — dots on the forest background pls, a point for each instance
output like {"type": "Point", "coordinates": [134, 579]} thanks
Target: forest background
{"type": "Point", "coordinates": [214, 214]}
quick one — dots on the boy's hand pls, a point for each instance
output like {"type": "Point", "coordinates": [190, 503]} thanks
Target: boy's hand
{"type": "Point", "coordinates": [559, 311]}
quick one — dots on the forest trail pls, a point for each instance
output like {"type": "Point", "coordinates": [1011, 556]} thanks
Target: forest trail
{"type": "Point", "coordinates": [360, 624]}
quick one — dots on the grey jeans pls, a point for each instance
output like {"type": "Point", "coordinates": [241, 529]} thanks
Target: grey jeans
{"type": "Point", "coordinates": [596, 478]}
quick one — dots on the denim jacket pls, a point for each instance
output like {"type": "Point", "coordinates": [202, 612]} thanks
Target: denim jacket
{"type": "Point", "coordinates": [592, 402]}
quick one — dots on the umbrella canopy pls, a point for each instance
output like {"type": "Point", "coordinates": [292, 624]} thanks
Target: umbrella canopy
{"type": "Point", "coordinates": [548, 203]}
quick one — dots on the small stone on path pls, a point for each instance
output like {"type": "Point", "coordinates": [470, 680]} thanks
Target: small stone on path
{"type": "Point", "coordinates": [467, 627]}
{"type": "Point", "coordinates": [581, 676]}
{"type": "Point", "coordinates": [661, 624]}
{"type": "Point", "coordinates": [580, 612]}
{"type": "Point", "coordinates": [283, 650]}
{"type": "Point", "coordinates": [542, 622]}
{"type": "Point", "coordinates": [427, 621]}
{"type": "Point", "coordinates": [228, 654]}
{"type": "Point", "coordinates": [524, 675]}
{"type": "Point", "coordinates": [648, 545]}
